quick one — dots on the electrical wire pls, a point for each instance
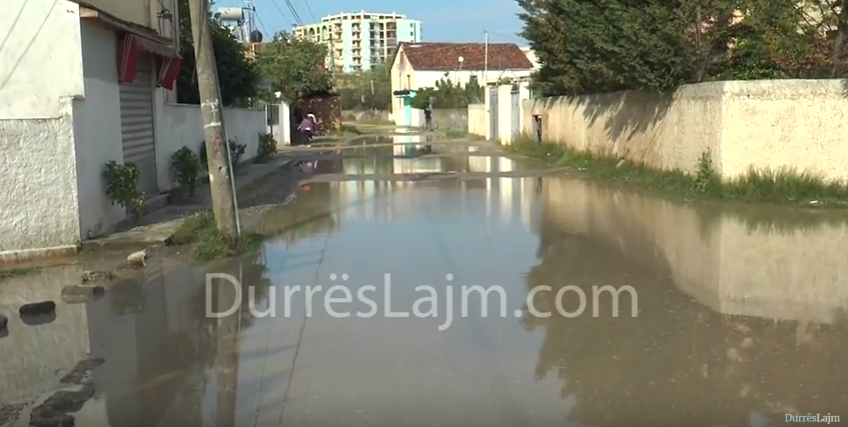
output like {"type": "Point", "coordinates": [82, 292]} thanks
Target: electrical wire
{"type": "Point", "coordinates": [309, 10]}
{"type": "Point", "coordinates": [282, 14]}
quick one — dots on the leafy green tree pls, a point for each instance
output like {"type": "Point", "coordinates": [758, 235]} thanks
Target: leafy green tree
{"type": "Point", "coordinates": [367, 90]}
{"type": "Point", "coordinates": [447, 94]}
{"type": "Point", "coordinates": [294, 66]}
{"type": "Point", "coordinates": [587, 46]}
{"type": "Point", "coordinates": [595, 46]}
{"type": "Point", "coordinates": [237, 74]}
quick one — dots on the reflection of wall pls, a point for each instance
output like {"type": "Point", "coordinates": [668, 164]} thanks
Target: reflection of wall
{"type": "Point", "coordinates": [713, 255]}
{"type": "Point", "coordinates": [31, 355]}
{"type": "Point", "coordinates": [145, 349]}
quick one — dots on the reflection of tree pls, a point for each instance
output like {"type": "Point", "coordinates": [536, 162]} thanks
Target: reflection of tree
{"type": "Point", "coordinates": [677, 362]}
{"type": "Point", "coordinates": [304, 217]}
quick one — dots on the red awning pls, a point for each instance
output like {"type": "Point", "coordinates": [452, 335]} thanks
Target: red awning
{"type": "Point", "coordinates": [168, 61]}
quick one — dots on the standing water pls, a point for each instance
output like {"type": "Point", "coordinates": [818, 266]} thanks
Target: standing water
{"type": "Point", "coordinates": [725, 315]}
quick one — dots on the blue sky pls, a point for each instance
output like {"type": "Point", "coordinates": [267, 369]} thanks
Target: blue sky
{"type": "Point", "coordinates": [443, 20]}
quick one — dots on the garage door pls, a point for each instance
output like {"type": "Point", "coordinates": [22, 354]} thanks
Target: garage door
{"type": "Point", "coordinates": [137, 132]}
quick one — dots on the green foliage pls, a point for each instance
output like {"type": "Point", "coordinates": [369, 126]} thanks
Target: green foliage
{"type": "Point", "coordinates": [236, 151]}
{"type": "Point", "coordinates": [605, 46]}
{"type": "Point", "coordinates": [294, 66]}
{"type": "Point", "coordinates": [447, 94]}
{"type": "Point", "coordinates": [267, 146]}
{"type": "Point", "coordinates": [707, 179]}
{"type": "Point", "coordinates": [212, 244]}
{"type": "Point", "coordinates": [201, 231]}
{"type": "Point", "coordinates": [186, 167]}
{"type": "Point", "coordinates": [592, 46]}
{"type": "Point", "coordinates": [237, 75]}
{"type": "Point", "coordinates": [191, 228]}
{"type": "Point", "coordinates": [356, 90]}
{"type": "Point", "coordinates": [772, 186]}
{"type": "Point", "coordinates": [122, 186]}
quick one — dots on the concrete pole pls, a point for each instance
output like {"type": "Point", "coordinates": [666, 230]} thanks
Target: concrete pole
{"type": "Point", "coordinates": [217, 150]}
{"type": "Point", "coordinates": [486, 58]}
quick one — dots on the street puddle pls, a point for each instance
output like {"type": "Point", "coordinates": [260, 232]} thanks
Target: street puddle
{"type": "Point", "coordinates": [735, 307]}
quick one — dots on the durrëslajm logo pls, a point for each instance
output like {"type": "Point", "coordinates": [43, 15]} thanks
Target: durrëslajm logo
{"type": "Point", "coordinates": [812, 418]}
{"type": "Point", "coordinates": [430, 299]}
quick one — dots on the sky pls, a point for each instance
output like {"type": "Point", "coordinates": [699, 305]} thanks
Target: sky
{"type": "Point", "coordinates": [442, 20]}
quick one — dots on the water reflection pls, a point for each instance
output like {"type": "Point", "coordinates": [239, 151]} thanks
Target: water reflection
{"type": "Point", "coordinates": [742, 316]}
{"type": "Point", "coordinates": [736, 322]}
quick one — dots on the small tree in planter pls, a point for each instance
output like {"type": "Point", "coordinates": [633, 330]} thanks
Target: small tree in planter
{"type": "Point", "coordinates": [186, 167]}
{"type": "Point", "coordinates": [122, 187]}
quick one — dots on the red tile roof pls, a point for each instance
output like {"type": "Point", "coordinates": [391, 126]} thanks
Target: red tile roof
{"type": "Point", "coordinates": [445, 56]}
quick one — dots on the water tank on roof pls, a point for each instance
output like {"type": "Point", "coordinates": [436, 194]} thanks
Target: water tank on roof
{"type": "Point", "coordinates": [231, 14]}
{"type": "Point", "coordinates": [256, 36]}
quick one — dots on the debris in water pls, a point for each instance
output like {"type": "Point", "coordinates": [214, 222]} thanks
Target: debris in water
{"type": "Point", "coordinates": [38, 313]}
{"type": "Point", "coordinates": [82, 370]}
{"type": "Point", "coordinates": [96, 276]}
{"type": "Point", "coordinates": [4, 322]}
{"type": "Point", "coordinates": [76, 294]}
{"type": "Point", "coordinates": [138, 258]}
{"type": "Point", "coordinates": [36, 308]}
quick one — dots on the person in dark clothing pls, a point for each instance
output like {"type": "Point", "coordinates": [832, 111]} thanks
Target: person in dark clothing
{"type": "Point", "coordinates": [428, 118]}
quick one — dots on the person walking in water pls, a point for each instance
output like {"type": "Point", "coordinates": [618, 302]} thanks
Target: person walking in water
{"type": "Point", "coordinates": [428, 118]}
{"type": "Point", "coordinates": [308, 128]}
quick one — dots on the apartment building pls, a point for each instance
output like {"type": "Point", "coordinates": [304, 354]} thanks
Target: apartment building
{"type": "Point", "coordinates": [361, 40]}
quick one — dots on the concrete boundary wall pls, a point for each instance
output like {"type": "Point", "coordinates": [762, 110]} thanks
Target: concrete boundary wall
{"type": "Point", "coordinates": [182, 125]}
{"type": "Point", "coordinates": [477, 119]}
{"type": "Point", "coordinates": [769, 124]}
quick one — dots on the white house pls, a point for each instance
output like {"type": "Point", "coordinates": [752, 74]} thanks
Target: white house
{"type": "Point", "coordinates": [82, 84]}
{"type": "Point", "coordinates": [421, 65]}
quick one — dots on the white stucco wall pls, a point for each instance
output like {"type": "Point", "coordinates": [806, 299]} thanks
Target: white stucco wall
{"type": "Point", "coordinates": [40, 59]}
{"type": "Point", "coordinates": [97, 129]}
{"type": "Point", "coordinates": [765, 125]}
{"type": "Point", "coordinates": [182, 125]}
{"type": "Point", "coordinates": [40, 75]}
{"type": "Point", "coordinates": [38, 206]}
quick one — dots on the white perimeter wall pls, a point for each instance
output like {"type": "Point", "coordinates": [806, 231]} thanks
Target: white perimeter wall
{"type": "Point", "coordinates": [40, 74]}
{"type": "Point", "coordinates": [97, 129]}
{"type": "Point", "coordinates": [182, 125]}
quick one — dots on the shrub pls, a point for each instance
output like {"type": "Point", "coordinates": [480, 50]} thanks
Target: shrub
{"type": "Point", "coordinates": [267, 146]}
{"type": "Point", "coordinates": [186, 167]}
{"type": "Point", "coordinates": [122, 186]}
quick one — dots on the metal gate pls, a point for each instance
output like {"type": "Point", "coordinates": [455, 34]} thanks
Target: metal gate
{"type": "Point", "coordinates": [515, 113]}
{"type": "Point", "coordinates": [137, 131]}
{"type": "Point", "coordinates": [493, 113]}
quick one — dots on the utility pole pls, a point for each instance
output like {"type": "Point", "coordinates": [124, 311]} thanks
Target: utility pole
{"type": "Point", "coordinates": [486, 58]}
{"type": "Point", "coordinates": [218, 159]}
{"type": "Point", "coordinates": [332, 55]}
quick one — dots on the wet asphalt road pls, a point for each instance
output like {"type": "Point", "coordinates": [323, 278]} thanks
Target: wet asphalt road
{"type": "Point", "coordinates": [739, 311]}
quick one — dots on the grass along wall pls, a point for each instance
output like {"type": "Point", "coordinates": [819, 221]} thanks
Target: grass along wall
{"type": "Point", "coordinates": [768, 126]}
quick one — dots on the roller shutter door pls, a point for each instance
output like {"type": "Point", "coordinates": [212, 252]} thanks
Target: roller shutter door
{"type": "Point", "coordinates": [137, 131]}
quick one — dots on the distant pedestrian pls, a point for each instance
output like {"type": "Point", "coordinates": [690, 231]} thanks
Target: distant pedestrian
{"type": "Point", "coordinates": [428, 118]}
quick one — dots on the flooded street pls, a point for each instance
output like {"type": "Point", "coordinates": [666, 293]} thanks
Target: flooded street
{"type": "Point", "coordinates": [741, 312]}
